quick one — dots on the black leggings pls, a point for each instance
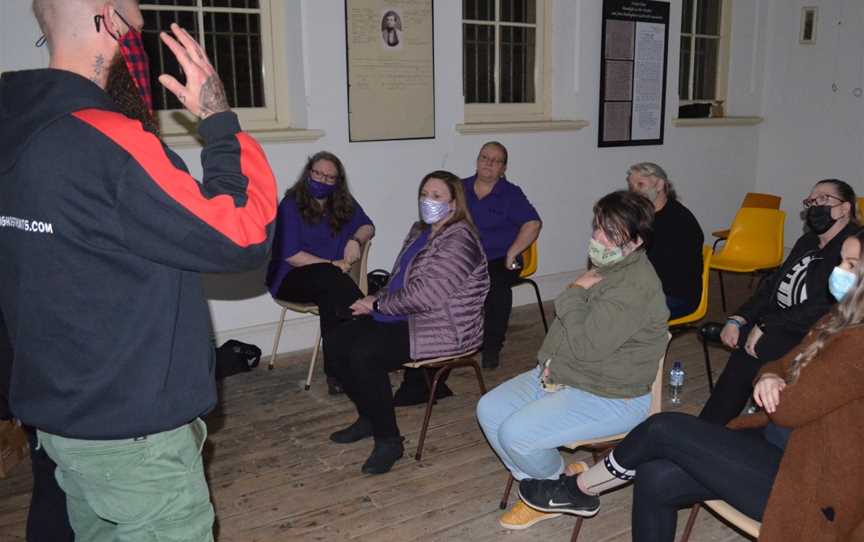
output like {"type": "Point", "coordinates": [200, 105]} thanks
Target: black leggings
{"type": "Point", "coordinates": [498, 305]}
{"type": "Point", "coordinates": [681, 460]}
{"type": "Point", "coordinates": [362, 353]}
{"type": "Point", "coordinates": [327, 286]}
{"type": "Point", "coordinates": [735, 384]}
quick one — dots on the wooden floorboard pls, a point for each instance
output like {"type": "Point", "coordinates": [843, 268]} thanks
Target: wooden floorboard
{"type": "Point", "coordinates": [275, 475]}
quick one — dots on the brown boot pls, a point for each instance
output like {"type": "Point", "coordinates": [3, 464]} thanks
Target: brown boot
{"type": "Point", "coordinates": [521, 516]}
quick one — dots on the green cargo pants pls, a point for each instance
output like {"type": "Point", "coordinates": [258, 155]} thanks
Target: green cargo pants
{"type": "Point", "coordinates": [150, 488]}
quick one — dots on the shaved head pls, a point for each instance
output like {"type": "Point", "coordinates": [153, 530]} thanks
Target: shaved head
{"type": "Point", "coordinates": [72, 20]}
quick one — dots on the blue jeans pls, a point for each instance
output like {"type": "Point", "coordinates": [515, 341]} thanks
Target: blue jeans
{"type": "Point", "coordinates": [525, 424]}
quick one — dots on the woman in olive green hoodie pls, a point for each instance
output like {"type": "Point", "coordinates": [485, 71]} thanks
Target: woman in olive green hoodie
{"type": "Point", "coordinates": [598, 361]}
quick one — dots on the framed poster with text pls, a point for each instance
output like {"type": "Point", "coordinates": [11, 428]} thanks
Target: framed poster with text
{"type": "Point", "coordinates": [633, 73]}
{"type": "Point", "coordinates": [391, 69]}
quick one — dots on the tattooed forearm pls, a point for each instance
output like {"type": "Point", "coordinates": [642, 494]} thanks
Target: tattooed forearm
{"type": "Point", "coordinates": [98, 68]}
{"type": "Point", "coordinates": [212, 97]}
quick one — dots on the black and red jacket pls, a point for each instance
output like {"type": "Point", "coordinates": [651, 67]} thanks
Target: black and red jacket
{"type": "Point", "coordinates": [103, 234]}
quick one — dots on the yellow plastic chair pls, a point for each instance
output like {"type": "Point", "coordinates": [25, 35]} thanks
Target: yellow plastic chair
{"type": "Point", "coordinates": [600, 446]}
{"type": "Point", "coordinates": [755, 243]}
{"type": "Point", "coordinates": [683, 324]}
{"type": "Point", "coordinates": [529, 266]}
{"type": "Point", "coordinates": [358, 275]}
{"type": "Point", "coordinates": [737, 519]}
{"type": "Point", "coordinates": [752, 199]}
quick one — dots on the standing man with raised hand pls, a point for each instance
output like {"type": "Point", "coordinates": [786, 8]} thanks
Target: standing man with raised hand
{"type": "Point", "coordinates": [103, 234]}
{"type": "Point", "coordinates": [508, 224]}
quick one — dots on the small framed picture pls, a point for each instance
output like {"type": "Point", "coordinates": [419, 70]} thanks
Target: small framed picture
{"type": "Point", "coordinates": [809, 19]}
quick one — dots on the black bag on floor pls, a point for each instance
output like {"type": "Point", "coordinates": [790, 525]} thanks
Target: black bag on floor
{"type": "Point", "coordinates": [377, 279]}
{"type": "Point", "coordinates": [236, 357]}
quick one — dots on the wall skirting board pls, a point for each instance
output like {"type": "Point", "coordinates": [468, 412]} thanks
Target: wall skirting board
{"type": "Point", "coordinates": [299, 333]}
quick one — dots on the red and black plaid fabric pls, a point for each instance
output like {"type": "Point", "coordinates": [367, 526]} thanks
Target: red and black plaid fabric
{"type": "Point", "coordinates": [132, 49]}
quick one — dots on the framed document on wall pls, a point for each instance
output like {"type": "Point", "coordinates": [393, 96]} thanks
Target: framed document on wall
{"type": "Point", "coordinates": [391, 69]}
{"type": "Point", "coordinates": [633, 72]}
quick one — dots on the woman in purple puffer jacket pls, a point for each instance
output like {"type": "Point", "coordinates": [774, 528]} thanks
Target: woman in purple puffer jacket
{"type": "Point", "coordinates": [432, 306]}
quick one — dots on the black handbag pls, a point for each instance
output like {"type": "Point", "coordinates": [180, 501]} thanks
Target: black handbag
{"type": "Point", "coordinates": [377, 279]}
{"type": "Point", "coordinates": [236, 357]}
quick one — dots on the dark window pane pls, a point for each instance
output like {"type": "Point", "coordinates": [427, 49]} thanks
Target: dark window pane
{"type": "Point", "coordinates": [478, 64]}
{"type": "Point", "coordinates": [517, 64]}
{"type": "Point", "coordinates": [161, 58]}
{"type": "Point", "coordinates": [705, 69]}
{"type": "Point", "coordinates": [708, 16]}
{"type": "Point", "coordinates": [684, 69]}
{"type": "Point", "coordinates": [519, 11]}
{"type": "Point", "coordinates": [236, 55]}
{"type": "Point", "coordinates": [478, 10]}
{"type": "Point", "coordinates": [687, 16]}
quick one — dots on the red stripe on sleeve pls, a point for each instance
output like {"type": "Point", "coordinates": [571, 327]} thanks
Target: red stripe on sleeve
{"type": "Point", "coordinates": [244, 226]}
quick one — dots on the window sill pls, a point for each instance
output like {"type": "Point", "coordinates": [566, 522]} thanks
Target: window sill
{"type": "Point", "coordinates": [280, 135]}
{"type": "Point", "coordinates": [720, 121]}
{"type": "Point", "coordinates": [525, 126]}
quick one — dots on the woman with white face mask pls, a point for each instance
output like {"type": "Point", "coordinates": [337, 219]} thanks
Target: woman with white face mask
{"type": "Point", "coordinates": [432, 307]}
{"type": "Point", "coordinates": [598, 361]}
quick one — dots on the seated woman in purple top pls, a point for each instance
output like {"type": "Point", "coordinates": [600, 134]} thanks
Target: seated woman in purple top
{"type": "Point", "coordinates": [320, 232]}
{"type": "Point", "coordinates": [433, 306]}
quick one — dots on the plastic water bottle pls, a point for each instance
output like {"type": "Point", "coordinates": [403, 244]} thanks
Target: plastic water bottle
{"type": "Point", "coordinates": [676, 382]}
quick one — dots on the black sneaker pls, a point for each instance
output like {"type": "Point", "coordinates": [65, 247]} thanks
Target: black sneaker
{"type": "Point", "coordinates": [409, 395]}
{"type": "Point", "coordinates": [385, 454]}
{"type": "Point", "coordinates": [358, 430]}
{"type": "Point", "coordinates": [558, 496]}
{"type": "Point", "coordinates": [491, 360]}
{"type": "Point", "coordinates": [334, 387]}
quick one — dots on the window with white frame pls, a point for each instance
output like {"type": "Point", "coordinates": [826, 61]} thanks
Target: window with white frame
{"type": "Point", "coordinates": [502, 59]}
{"type": "Point", "coordinates": [238, 36]}
{"type": "Point", "coordinates": [704, 50]}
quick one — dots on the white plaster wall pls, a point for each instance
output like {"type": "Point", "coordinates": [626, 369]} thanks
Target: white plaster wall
{"type": "Point", "coordinates": [563, 173]}
{"type": "Point", "coordinates": [810, 131]}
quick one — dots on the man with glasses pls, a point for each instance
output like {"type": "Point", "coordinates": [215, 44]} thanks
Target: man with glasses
{"type": "Point", "coordinates": [788, 302]}
{"type": "Point", "coordinates": [508, 224]}
{"type": "Point", "coordinates": [103, 234]}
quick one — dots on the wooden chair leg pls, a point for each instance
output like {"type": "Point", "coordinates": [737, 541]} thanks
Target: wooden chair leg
{"type": "Point", "coordinates": [506, 496]}
{"type": "Point", "coordinates": [429, 402]}
{"type": "Point", "coordinates": [576, 528]}
{"type": "Point", "coordinates": [691, 520]}
{"type": "Point", "coordinates": [276, 339]}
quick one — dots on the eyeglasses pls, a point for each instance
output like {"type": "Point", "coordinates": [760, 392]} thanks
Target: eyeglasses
{"type": "Point", "coordinates": [324, 176]}
{"type": "Point", "coordinates": [821, 199]}
{"type": "Point", "coordinates": [490, 160]}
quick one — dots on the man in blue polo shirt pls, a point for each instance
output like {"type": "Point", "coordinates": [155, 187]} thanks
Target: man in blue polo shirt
{"type": "Point", "coordinates": [508, 224]}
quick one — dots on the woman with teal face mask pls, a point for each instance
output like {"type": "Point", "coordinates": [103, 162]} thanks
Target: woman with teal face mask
{"type": "Point", "coordinates": [598, 361]}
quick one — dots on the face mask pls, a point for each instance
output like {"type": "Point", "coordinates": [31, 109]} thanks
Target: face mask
{"type": "Point", "coordinates": [602, 256]}
{"type": "Point", "coordinates": [319, 190]}
{"type": "Point", "coordinates": [432, 211]}
{"type": "Point", "coordinates": [650, 193]}
{"type": "Point", "coordinates": [819, 219]}
{"type": "Point", "coordinates": [840, 282]}
{"type": "Point", "coordinates": [132, 49]}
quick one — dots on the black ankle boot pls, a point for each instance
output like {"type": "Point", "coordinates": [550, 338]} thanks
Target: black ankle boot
{"type": "Point", "coordinates": [358, 430]}
{"type": "Point", "coordinates": [334, 387]}
{"type": "Point", "coordinates": [386, 452]}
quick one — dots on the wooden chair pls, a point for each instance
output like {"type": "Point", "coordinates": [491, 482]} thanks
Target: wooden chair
{"type": "Point", "coordinates": [601, 446]}
{"type": "Point", "coordinates": [743, 523]}
{"type": "Point", "coordinates": [751, 199]}
{"type": "Point", "coordinates": [529, 267]}
{"type": "Point", "coordinates": [683, 324]}
{"type": "Point", "coordinates": [358, 275]}
{"type": "Point", "coordinates": [442, 367]}
{"type": "Point", "coordinates": [755, 244]}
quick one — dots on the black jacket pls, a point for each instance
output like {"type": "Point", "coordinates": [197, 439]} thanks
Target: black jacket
{"type": "Point", "coordinates": [762, 307]}
{"type": "Point", "coordinates": [103, 234]}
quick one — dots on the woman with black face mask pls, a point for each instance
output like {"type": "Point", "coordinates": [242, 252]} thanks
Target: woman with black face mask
{"type": "Point", "coordinates": [788, 302]}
